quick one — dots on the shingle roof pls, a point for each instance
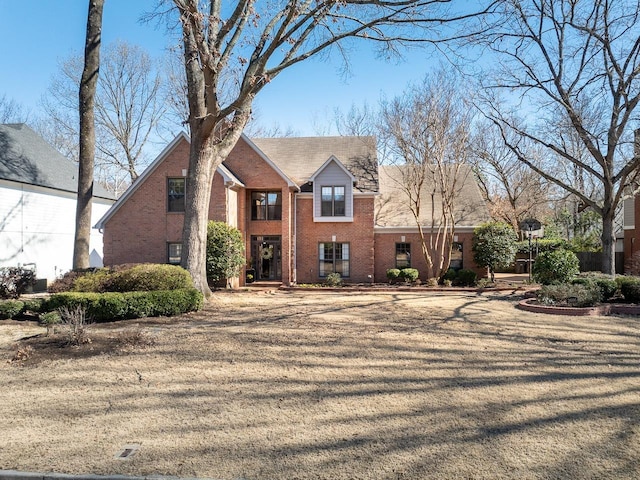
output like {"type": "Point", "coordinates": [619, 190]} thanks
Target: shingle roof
{"type": "Point", "coordinates": [300, 157]}
{"type": "Point", "coordinates": [25, 157]}
{"type": "Point", "coordinates": [392, 206]}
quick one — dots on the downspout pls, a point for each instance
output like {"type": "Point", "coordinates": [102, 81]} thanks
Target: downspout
{"type": "Point", "coordinates": [294, 256]}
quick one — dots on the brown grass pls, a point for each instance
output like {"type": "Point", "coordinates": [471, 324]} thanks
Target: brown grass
{"type": "Point", "coordinates": [275, 385]}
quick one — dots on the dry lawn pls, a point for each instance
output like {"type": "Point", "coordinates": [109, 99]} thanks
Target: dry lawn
{"type": "Point", "coordinates": [276, 385]}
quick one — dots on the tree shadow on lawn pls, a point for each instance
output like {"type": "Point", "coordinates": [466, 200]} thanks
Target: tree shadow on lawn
{"type": "Point", "coordinates": [390, 387]}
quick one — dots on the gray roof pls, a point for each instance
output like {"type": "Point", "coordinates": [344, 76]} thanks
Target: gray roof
{"type": "Point", "coordinates": [392, 205]}
{"type": "Point", "coordinates": [300, 157]}
{"type": "Point", "coordinates": [25, 157]}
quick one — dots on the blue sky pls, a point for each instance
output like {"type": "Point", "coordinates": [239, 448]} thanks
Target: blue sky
{"type": "Point", "coordinates": [36, 34]}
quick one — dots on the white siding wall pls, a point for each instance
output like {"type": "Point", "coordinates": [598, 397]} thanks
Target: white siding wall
{"type": "Point", "coordinates": [332, 175]}
{"type": "Point", "coordinates": [37, 226]}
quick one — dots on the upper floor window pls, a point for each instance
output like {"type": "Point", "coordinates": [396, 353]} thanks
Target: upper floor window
{"type": "Point", "coordinates": [176, 188]}
{"type": "Point", "coordinates": [266, 205]}
{"type": "Point", "coordinates": [333, 201]}
{"type": "Point", "coordinates": [403, 255]}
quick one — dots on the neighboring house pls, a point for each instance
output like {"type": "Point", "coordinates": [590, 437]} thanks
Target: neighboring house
{"type": "Point", "coordinates": [38, 190]}
{"type": "Point", "coordinates": [306, 207]}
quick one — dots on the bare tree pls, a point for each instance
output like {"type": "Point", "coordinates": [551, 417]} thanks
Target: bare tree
{"type": "Point", "coordinates": [513, 191]}
{"type": "Point", "coordinates": [578, 61]}
{"type": "Point", "coordinates": [87, 135]}
{"type": "Point", "coordinates": [426, 135]}
{"type": "Point", "coordinates": [11, 111]}
{"type": "Point", "coordinates": [257, 41]}
{"type": "Point", "coordinates": [129, 107]}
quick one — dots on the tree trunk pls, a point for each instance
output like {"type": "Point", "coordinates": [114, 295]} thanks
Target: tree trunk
{"type": "Point", "coordinates": [608, 242]}
{"type": "Point", "coordinates": [202, 164]}
{"type": "Point", "coordinates": [87, 139]}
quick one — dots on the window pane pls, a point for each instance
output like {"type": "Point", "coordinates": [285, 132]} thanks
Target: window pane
{"type": "Point", "coordinates": [403, 255]}
{"type": "Point", "coordinates": [175, 194]}
{"type": "Point", "coordinates": [456, 256]}
{"type": "Point", "coordinates": [175, 253]}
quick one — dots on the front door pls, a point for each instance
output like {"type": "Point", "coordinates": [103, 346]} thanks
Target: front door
{"type": "Point", "coordinates": [266, 255]}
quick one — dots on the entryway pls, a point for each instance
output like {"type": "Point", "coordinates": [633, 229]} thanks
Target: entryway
{"type": "Point", "coordinates": [266, 257]}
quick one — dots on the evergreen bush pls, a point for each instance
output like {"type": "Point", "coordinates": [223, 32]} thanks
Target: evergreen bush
{"type": "Point", "coordinates": [555, 266]}
{"type": "Point", "coordinates": [225, 252]}
{"type": "Point", "coordinates": [333, 280]}
{"type": "Point", "coordinates": [572, 295]}
{"type": "Point", "coordinates": [10, 308]}
{"type": "Point", "coordinates": [607, 284]}
{"type": "Point", "coordinates": [144, 277]}
{"type": "Point", "coordinates": [409, 275]}
{"type": "Point", "coordinates": [393, 274]}
{"type": "Point", "coordinates": [466, 278]}
{"type": "Point", "coordinates": [629, 287]}
{"type": "Point", "coordinates": [109, 306]}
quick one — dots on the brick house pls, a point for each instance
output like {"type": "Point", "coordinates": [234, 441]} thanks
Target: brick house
{"type": "Point", "coordinates": [306, 207]}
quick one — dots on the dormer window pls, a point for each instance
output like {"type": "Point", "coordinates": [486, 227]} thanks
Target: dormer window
{"type": "Point", "coordinates": [333, 201]}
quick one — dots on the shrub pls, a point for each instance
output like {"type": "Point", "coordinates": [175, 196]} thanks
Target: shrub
{"type": "Point", "coordinates": [76, 321]}
{"type": "Point", "coordinates": [629, 287]}
{"type": "Point", "coordinates": [50, 320]}
{"type": "Point", "coordinates": [225, 251]}
{"type": "Point", "coordinates": [393, 274]}
{"type": "Point", "coordinates": [65, 283]}
{"type": "Point", "coordinates": [32, 305]}
{"type": "Point", "coordinates": [557, 266]}
{"type": "Point", "coordinates": [144, 277]}
{"type": "Point", "coordinates": [104, 307]}
{"type": "Point", "coordinates": [333, 280]}
{"type": "Point", "coordinates": [10, 308]}
{"type": "Point", "coordinates": [432, 282]}
{"type": "Point", "coordinates": [573, 295]}
{"type": "Point", "coordinates": [466, 278]}
{"type": "Point", "coordinates": [450, 275]}
{"type": "Point", "coordinates": [606, 283]}
{"type": "Point", "coordinates": [14, 281]}
{"type": "Point", "coordinates": [409, 274]}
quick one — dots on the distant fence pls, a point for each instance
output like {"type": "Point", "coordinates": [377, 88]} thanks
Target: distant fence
{"type": "Point", "coordinates": [592, 261]}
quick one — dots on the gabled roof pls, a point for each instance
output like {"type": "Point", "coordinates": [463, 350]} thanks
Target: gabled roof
{"type": "Point", "coordinates": [334, 160]}
{"type": "Point", "coordinates": [392, 206]}
{"type": "Point", "coordinates": [25, 157]}
{"type": "Point", "coordinates": [301, 157]}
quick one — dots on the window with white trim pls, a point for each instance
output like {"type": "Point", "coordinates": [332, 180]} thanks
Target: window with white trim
{"type": "Point", "coordinates": [333, 201]}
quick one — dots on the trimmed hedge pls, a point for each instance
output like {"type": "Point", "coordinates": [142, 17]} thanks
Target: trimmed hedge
{"type": "Point", "coordinates": [109, 306]}
{"type": "Point", "coordinates": [137, 278]}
